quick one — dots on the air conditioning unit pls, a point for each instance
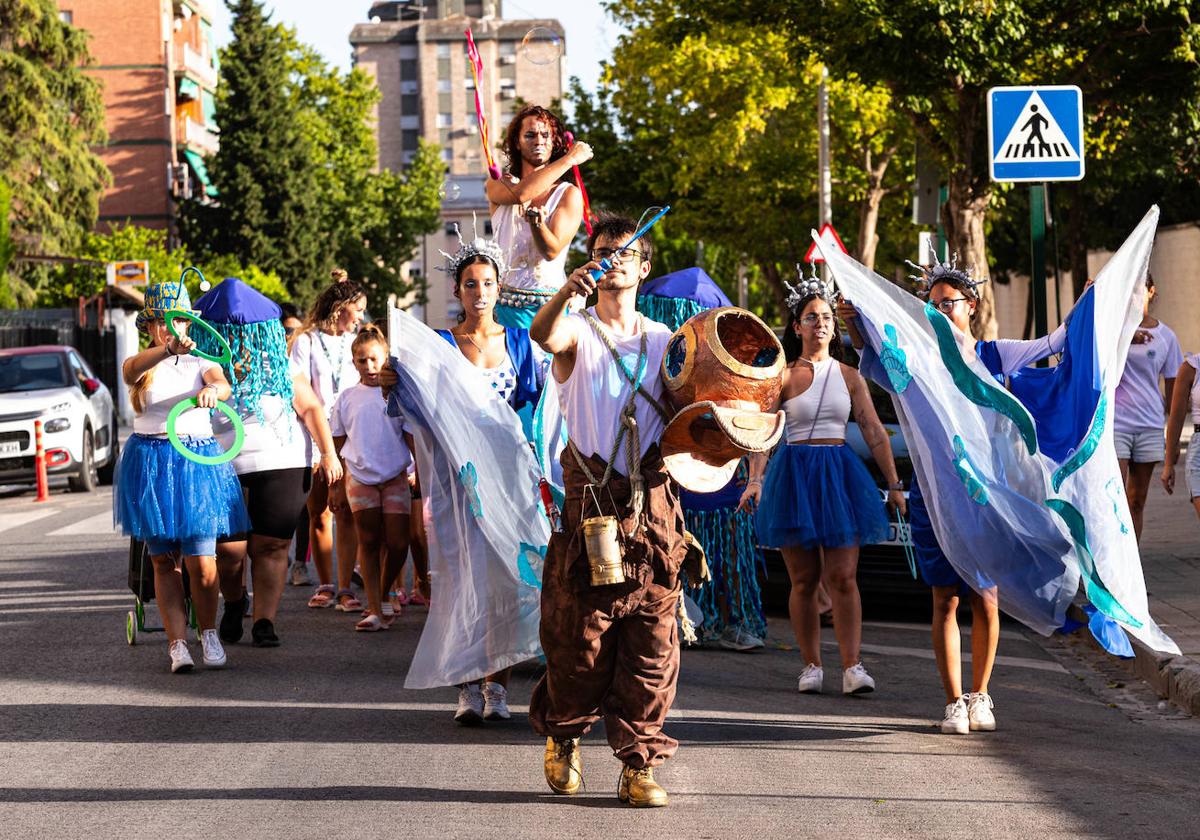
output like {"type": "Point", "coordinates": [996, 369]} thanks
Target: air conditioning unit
{"type": "Point", "coordinates": [508, 93]}
{"type": "Point", "coordinates": [469, 84]}
{"type": "Point", "coordinates": [471, 129]}
{"type": "Point", "coordinates": [508, 59]}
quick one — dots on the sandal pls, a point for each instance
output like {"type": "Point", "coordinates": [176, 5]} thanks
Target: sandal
{"type": "Point", "coordinates": [389, 610]}
{"type": "Point", "coordinates": [371, 624]}
{"type": "Point", "coordinates": [400, 598]}
{"type": "Point", "coordinates": [323, 597]}
{"type": "Point", "coordinates": [417, 599]}
{"type": "Point", "coordinates": [347, 601]}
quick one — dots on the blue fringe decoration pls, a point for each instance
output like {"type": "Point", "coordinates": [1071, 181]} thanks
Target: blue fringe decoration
{"type": "Point", "coordinates": [261, 350]}
{"type": "Point", "coordinates": [670, 311]}
{"type": "Point", "coordinates": [732, 597]}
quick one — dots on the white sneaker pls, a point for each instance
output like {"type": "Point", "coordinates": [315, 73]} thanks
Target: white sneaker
{"type": "Point", "coordinates": [740, 639]}
{"type": "Point", "coordinates": [811, 679]}
{"type": "Point", "coordinates": [979, 712]}
{"type": "Point", "coordinates": [495, 702]}
{"type": "Point", "coordinates": [299, 574]}
{"type": "Point", "coordinates": [181, 660]}
{"type": "Point", "coordinates": [470, 705]}
{"type": "Point", "coordinates": [954, 722]}
{"type": "Point", "coordinates": [856, 680]}
{"type": "Point", "coordinates": [214, 653]}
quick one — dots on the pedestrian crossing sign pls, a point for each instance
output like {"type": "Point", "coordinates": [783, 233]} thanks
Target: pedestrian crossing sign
{"type": "Point", "coordinates": [1035, 133]}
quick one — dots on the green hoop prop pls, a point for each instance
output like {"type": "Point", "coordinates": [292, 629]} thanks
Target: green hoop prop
{"type": "Point", "coordinates": [226, 353]}
{"type": "Point", "coordinates": [239, 432]}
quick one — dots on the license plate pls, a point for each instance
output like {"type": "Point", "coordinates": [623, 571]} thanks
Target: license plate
{"type": "Point", "coordinates": [897, 535]}
{"type": "Point", "coordinates": [10, 447]}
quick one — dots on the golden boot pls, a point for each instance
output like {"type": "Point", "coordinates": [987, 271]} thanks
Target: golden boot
{"type": "Point", "coordinates": [563, 765]}
{"type": "Point", "coordinates": [639, 789]}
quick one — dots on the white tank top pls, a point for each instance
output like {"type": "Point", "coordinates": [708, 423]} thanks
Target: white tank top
{"type": "Point", "coordinates": [1193, 359]}
{"type": "Point", "coordinates": [596, 391]}
{"type": "Point", "coordinates": [527, 268]}
{"type": "Point", "coordinates": [822, 410]}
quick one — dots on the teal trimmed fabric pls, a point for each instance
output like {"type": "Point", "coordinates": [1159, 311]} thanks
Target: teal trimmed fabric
{"type": "Point", "coordinates": [670, 311]}
{"type": "Point", "coordinates": [1097, 592]}
{"type": "Point", "coordinates": [1086, 449]}
{"type": "Point", "coordinates": [732, 597]}
{"type": "Point", "coordinates": [259, 351]}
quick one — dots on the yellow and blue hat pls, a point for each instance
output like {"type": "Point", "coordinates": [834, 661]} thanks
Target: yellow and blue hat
{"type": "Point", "coordinates": [161, 298]}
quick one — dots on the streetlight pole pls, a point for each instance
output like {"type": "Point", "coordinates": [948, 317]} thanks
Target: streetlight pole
{"type": "Point", "coordinates": [825, 178]}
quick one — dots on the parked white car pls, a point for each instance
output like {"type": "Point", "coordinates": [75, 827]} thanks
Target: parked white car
{"type": "Point", "coordinates": [52, 383]}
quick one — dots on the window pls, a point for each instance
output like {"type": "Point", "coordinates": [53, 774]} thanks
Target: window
{"type": "Point", "coordinates": [443, 85]}
{"type": "Point", "coordinates": [473, 8]}
{"type": "Point", "coordinates": [508, 48]}
{"type": "Point", "coordinates": [409, 103]}
{"type": "Point", "coordinates": [66, 16]}
{"type": "Point", "coordinates": [448, 155]}
{"type": "Point", "coordinates": [445, 120]}
{"type": "Point", "coordinates": [443, 50]}
{"type": "Point", "coordinates": [410, 139]}
{"type": "Point", "coordinates": [408, 69]}
{"type": "Point", "coordinates": [33, 372]}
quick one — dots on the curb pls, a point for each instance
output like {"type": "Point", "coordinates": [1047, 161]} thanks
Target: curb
{"type": "Point", "coordinates": [1175, 678]}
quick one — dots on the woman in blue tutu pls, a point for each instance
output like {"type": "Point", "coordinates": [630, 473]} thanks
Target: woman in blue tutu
{"type": "Point", "coordinates": [177, 506]}
{"type": "Point", "coordinates": [818, 503]}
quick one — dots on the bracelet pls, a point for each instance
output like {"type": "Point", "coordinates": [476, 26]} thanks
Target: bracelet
{"type": "Point", "coordinates": [754, 481]}
{"type": "Point", "coordinates": [896, 485]}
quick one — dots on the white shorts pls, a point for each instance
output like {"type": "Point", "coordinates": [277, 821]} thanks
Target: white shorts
{"type": "Point", "coordinates": [1193, 468]}
{"type": "Point", "coordinates": [1146, 447]}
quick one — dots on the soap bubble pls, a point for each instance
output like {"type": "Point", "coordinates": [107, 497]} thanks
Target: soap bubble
{"type": "Point", "coordinates": [541, 46]}
{"type": "Point", "coordinates": [449, 191]}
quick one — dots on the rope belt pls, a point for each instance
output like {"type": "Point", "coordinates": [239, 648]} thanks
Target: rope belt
{"type": "Point", "coordinates": [519, 298]}
{"type": "Point", "coordinates": [628, 423]}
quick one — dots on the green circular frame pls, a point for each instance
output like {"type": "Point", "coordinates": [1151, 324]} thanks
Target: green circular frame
{"type": "Point", "coordinates": [239, 432]}
{"type": "Point", "coordinates": [226, 353]}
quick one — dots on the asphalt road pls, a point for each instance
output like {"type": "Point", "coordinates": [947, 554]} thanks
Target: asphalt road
{"type": "Point", "coordinates": [318, 738]}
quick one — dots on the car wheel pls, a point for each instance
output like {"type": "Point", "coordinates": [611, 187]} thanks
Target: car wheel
{"type": "Point", "coordinates": [114, 452]}
{"type": "Point", "coordinates": [87, 479]}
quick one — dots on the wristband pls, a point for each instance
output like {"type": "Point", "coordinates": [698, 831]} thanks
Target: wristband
{"type": "Point", "coordinates": [896, 485]}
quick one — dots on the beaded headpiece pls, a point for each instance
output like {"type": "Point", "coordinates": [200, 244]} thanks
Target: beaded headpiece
{"type": "Point", "coordinates": [944, 272]}
{"type": "Point", "coordinates": [477, 247]}
{"type": "Point", "coordinates": [807, 287]}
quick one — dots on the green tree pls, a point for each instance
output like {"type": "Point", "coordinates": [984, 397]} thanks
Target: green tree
{"type": "Point", "coordinates": [51, 112]}
{"type": "Point", "coordinates": [938, 60]}
{"type": "Point", "coordinates": [263, 171]}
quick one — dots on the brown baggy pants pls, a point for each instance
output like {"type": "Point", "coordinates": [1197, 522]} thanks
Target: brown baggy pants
{"type": "Point", "coordinates": [613, 651]}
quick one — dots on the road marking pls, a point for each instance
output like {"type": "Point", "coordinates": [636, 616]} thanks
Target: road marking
{"type": "Point", "coordinates": [1016, 635]}
{"type": "Point", "coordinates": [15, 520]}
{"type": "Point", "coordinates": [1009, 661]}
{"type": "Point", "coordinates": [87, 608]}
{"type": "Point", "coordinates": [97, 525]}
{"type": "Point", "coordinates": [64, 598]}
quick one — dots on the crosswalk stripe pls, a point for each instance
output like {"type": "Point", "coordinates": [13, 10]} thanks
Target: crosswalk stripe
{"type": "Point", "coordinates": [15, 520]}
{"type": "Point", "coordinates": [99, 524]}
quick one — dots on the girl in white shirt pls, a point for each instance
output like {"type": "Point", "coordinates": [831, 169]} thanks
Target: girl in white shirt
{"type": "Point", "coordinates": [177, 506]}
{"type": "Point", "coordinates": [1185, 402]}
{"type": "Point", "coordinates": [375, 487]}
{"type": "Point", "coordinates": [321, 351]}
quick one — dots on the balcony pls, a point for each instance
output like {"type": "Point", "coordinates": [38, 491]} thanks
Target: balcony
{"type": "Point", "coordinates": [191, 134]}
{"type": "Point", "coordinates": [190, 62]}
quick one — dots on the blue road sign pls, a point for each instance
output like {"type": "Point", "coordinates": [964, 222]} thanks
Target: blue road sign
{"type": "Point", "coordinates": [1035, 133]}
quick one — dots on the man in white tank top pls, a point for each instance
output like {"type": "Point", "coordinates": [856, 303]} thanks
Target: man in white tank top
{"type": "Point", "coordinates": [611, 650]}
{"type": "Point", "coordinates": [535, 213]}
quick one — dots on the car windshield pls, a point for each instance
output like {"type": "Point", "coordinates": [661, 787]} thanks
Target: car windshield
{"type": "Point", "coordinates": [33, 372]}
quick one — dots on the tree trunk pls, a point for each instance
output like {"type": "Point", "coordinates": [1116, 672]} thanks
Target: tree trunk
{"type": "Point", "coordinates": [868, 220]}
{"type": "Point", "coordinates": [770, 273]}
{"type": "Point", "coordinates": [963, 216]}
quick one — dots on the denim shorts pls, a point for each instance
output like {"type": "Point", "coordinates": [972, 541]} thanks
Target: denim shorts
{"type": "Point", "coordinates": [193, 547]}
{"type": "Point", "coordinates": [1144, 447]}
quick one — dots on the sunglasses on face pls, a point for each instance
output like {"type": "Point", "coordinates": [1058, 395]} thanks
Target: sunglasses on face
{"type": "Point", "coordinates": [813, 318]}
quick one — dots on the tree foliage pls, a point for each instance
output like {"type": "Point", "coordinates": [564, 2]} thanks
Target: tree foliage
{"type": "Point", "coordinates": [295, 173]}
{"type": "Point", "coordinates": [51, 112]}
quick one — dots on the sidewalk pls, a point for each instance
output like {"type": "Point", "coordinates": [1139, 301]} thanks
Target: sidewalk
{"type": "Point", "coordinates": [1171, 562]}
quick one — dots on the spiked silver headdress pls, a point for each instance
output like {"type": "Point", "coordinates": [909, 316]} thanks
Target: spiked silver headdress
{"type": "Point", "coordinates": [807, 287]}
{"type": "Point", "coordinates": [477, 247]}
{"type": "Point", "coordinates": [944, 272]}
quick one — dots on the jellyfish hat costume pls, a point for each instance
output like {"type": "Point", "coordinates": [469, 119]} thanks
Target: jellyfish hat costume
{"type": "Point", "coordinates": [486, 528]}
{"type": "Point", "coordinates": [1024, 487]}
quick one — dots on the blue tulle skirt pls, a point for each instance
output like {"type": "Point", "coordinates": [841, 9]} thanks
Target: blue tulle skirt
{"type": "Point", "coordinates": [819, 496]}
{"type": "Point", "coordinates": [158, 494]}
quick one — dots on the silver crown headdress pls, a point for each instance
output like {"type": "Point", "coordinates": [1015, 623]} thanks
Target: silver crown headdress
{"type": "Point", "coordinates": [477, 247]}
{"type": "Point", "coordinates": [944, 272]}
{"type": "Point", "coordinates": [807, 287]}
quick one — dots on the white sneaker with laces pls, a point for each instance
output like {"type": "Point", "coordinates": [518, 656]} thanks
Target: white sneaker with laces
{"type": "Point", "coordinates": [811, 679]}
{"type": "Point", "coordinates": [979, 712]}
{"type": "Point", "coordinates": [470, 705]}
{"type": "Point", "coordinates": [214, 652]}
{"type": "Point", "coordinates": [181, 660]}
{"type": "Point", "coordinates": [299, 575]}
{"type": "Point", "coordinates": [495, 702]}
{"type": "Point", "coordinates": [856, 680]}
{"type": "Point", "coordinates": [740, 639]}
{"type": "Point", "coordinates": [954, 721]}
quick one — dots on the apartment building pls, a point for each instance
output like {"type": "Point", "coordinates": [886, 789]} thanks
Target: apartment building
{"type": "Point", "coordinates": [416, 52]}
{"type": "Point", "coordinates": [157, 63]}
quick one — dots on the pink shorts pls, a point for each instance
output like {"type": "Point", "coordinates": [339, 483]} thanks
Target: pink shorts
{"type": "Point", "coordinates": [393, 496]}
